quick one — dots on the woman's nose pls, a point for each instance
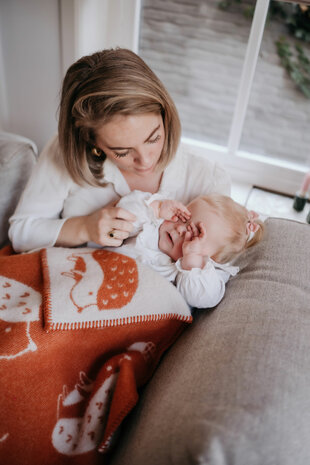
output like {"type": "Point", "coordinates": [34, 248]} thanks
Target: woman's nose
{"type": "Point", "coordinates": [143, 158]}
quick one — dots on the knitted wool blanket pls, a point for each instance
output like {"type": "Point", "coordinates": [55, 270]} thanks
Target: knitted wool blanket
{"type": "Point", "coordinates": [81, 331]}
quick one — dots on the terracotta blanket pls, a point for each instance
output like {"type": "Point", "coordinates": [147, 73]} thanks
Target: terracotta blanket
{"type": "Point", "coordinates": [81, 330]}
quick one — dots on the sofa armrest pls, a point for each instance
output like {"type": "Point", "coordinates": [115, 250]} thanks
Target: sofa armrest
{"type": "Point", "coordinates": [17, 158]}
{"type": "Point", "coordinates": [234, 389]}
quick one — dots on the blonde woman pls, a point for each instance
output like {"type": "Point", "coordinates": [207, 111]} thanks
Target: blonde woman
{"type": "Point", "coordinates": [118, 131]}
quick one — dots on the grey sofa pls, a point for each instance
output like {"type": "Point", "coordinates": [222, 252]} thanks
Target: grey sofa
{"type": "Point", "coordinates": [17, 158]}
{"type": "Point", "coordinates": [235, 387]}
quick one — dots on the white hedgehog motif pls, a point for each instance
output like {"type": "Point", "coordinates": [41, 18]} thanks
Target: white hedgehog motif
{"type": "Point", "coordinates": [78, 435]}
{"type": "Point", "coordinates": [19, 303]}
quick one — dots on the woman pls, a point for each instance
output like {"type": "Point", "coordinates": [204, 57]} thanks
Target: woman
{"type": "Point", "coordinates": [118, 131]}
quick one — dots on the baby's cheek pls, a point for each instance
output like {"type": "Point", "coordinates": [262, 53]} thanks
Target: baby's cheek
{"type": "Point", "coordinates": [178, 253]}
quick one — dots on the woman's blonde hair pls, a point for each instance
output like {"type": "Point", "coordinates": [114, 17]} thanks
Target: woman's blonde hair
{"type": "Point", "coordinates": [98, 87]}
{"type": "Point", "coordinates": [239, 222]}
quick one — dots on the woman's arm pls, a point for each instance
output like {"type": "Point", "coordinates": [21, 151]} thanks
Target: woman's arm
{"type": "Point", "coordinates": [37, 222]}
{"type": "Point", "coordinates": [96, 228]}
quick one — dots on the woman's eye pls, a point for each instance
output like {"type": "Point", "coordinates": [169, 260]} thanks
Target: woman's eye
{"type": "Point", "coordinates": [153, 141]}
{"type": "Point", "coordinates": [119, 155]}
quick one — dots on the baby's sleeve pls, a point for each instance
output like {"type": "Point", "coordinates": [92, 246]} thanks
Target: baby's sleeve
{"type": "Point", "coordinates": [202, 288]}
{"type": "Point", "coordinates": [138, 203]}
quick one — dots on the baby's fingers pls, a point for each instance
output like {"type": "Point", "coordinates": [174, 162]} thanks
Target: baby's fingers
{"type": "Point", "coordinates": [180, 215]}
{"type": "Point", "coordinates": [187, 236]}
{"type": "Point", "coordinates": [184, 216]}
{"type": "Point", "coordinates": [202, 230]}
{"type": "Point", "coordinates": [193, 229]}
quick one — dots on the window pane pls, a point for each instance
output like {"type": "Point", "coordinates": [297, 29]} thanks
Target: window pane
{"type": "Point", "coordinates": [278, 118]}
{"type": "Point", "coordinates": [197, 49]}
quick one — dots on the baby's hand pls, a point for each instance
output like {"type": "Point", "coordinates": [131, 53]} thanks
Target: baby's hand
{"type": "Point", "coordinates": [173, 210]}
{"type": "Point", "coordinates": [194, 247]}
{"type": "Point", "coordinates": [195, 240]}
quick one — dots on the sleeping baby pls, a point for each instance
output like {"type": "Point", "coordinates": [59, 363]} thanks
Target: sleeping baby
{"type": "Point", "coordinates": [190, 245]}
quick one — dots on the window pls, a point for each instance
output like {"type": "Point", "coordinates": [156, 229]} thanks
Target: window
{"type": "Point", "coordinates": [255, 119]}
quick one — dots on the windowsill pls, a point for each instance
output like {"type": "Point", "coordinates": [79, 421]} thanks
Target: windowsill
{"type": "Point", "coordinates": [267, 204]}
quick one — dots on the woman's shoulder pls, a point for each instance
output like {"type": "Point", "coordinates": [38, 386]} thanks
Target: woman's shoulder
{"type": "Point", "coordinates": [196, 165]}
{"type": "Point", "coordinates": [192, 175]}
{"type": "Point", "coordinates": [51, 152]}
{"type": "Point", "coordinates": [191, 160]}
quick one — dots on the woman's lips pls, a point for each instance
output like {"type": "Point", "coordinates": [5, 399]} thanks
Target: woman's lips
{"type": "Point", "coordinates": [144, 170]}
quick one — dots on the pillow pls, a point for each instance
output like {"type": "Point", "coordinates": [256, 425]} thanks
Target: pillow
{"type": "Point", "coordinates": [17, 158]}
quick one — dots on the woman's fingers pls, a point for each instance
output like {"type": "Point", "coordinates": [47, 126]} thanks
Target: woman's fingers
{"type": "Point", "coordinates": [116, 218]}
{"type": "Point", "coordinates": [121, 225]}
{"type": "Point", "coordinates": [122, 214]}
{"type": "Point", "coordinates": [109, 226]}
{"type": "Point", "coordinates": [113, 242]}
{"type": "Point", "coordinates": [118, 234]}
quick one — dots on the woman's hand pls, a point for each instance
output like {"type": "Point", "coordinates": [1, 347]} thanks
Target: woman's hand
{"type": "Point", "coordinates": [108, 226]}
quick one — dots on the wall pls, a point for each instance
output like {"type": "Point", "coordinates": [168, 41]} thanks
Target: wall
{"type": "Point", "coordinates": [30, 72]}
{"type": "Point", "coordinates": [39, 39]}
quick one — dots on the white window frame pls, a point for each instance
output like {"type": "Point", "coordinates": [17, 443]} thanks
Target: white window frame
{"type": "Point", "coordinates": [98, 24]}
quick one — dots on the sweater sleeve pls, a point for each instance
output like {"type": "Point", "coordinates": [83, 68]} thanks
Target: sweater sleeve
{"type": "Point", "coordinates": [36, 221]}
{"type": "Point", "coordinates": [202, 288]}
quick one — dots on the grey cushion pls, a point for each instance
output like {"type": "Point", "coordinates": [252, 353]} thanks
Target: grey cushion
{"type": "Point", "coordinates": [235, 388]}
{"type": "Point", "coordinates": [17, 158]}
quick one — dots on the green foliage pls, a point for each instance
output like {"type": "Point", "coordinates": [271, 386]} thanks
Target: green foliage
{"type": "Point", "coordinates": [248, 10]}
{"type": "Point", "coordinates": [296, 64]}
{"type": "Point", "coordinates": [297, 21]}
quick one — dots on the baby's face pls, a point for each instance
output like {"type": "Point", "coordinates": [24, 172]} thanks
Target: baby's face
{"type": "Point", "coordinates": [171, 235]}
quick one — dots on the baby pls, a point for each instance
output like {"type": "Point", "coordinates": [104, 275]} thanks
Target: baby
{"type": "Point", "coordinates": [190, 245]}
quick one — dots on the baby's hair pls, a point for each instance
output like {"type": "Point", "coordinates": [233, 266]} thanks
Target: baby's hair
{"type": "Point", "coordinates": [244, 229]}
{"type": "Point", "coordinates": [96, 88]}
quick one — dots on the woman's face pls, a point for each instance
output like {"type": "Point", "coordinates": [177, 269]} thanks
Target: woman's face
{"type": "Point", "coordinates": [133, 142]}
